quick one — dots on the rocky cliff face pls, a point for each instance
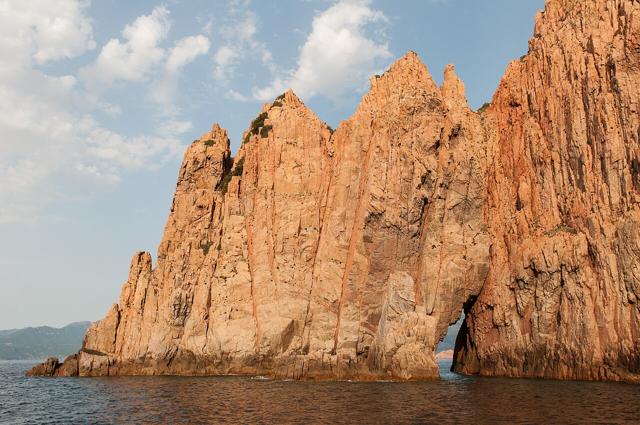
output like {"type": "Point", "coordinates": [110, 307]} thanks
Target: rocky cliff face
{"type": "Point", "coordinates": [562, 298]}
{"type": "Point", "coordinates": [313, 253]}
{"type": "Point", "coordinates": [347, 254]}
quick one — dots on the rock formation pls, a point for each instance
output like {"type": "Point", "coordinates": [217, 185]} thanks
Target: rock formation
{"type": "Point", "coordinates": [562, 297]}
{"type": "Point", "coordinates": [347, 254]}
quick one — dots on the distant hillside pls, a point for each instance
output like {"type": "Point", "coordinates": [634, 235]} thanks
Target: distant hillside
{"type": "Point", "coordinates": [41, 342]}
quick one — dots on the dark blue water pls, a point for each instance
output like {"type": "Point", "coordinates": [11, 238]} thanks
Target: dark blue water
{"type": "Point", "coordinates": [182, 400]}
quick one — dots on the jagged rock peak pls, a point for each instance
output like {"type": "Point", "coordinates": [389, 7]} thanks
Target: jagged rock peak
{"type": "Point", "coordinates": [289, 98]}
{"type": "Point", "coordinates": [452, 89]}
{"type": "Point", "coordinates": [214, 136]}
{"type": "Point", "coordinates": [407, 81]}
{"type": "Point", "coordinates": [286, 111]}
{"type": "Point", "coordinates": [407, 70]}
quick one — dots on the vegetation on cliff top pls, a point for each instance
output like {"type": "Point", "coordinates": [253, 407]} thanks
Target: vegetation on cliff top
{"type": "Point", "coordinates": [258, 127]}
{"type": "Point", "coordinates": [484, 107]}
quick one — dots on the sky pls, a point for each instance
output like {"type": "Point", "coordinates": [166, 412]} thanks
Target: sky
{"type": "Point", "coordinates": [99, 99]}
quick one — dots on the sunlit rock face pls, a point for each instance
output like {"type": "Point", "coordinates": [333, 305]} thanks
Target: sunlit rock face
{"type": "Point", "coordinates": [313, 253]}
{"type": "Point", "coordinates": [346, 255]}
{"type": "Point", "coordinates": [562, 298]}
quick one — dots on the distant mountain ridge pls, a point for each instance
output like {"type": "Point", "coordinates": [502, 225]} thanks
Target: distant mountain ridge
{"type": "Point", "coordinates": [35, 343]}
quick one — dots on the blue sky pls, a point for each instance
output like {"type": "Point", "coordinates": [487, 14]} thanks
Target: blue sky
{"type": "Point", "coordinates": [99, 99]}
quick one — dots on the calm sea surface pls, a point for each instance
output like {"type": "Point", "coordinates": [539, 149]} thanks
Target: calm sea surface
{"type": "Point", "coordinates": [178, 400]}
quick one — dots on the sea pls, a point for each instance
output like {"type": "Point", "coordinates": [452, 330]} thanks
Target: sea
{"type": "Point", "coordinates": [455, 399]}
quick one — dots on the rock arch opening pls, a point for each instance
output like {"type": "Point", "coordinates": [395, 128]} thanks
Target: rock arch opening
{"type": "Point", "coordinates": [445, 348]}
{"type": "Point", "coordinates": [449, 349]}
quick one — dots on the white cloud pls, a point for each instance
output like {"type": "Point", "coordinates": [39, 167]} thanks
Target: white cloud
{"type": "Point", "coordinates": [134, 58]}
{"type": "Point", "coordinates": [140, 57]}
{"type": "Point", "coordinates": [224, 58]}
{"type": "Point", "coordinates": [107, 147]}
{"type": "Point", "coordinates": [185, 51]}
{"type": "Point", "coordinates": [239, 42]}
{"type": "Point", "coordinates": [174, 127]}
{"type": "Point", "coordinates": [208, 27]}
{"type": "Point", "coordinates": [45, 30]}
{"type": "Point", "coordinates": [35, 125]}
{"type": "Point", "coordinates": [337, 55]}
{"type": "Point", "coordinates": [51, 147]}
{"type": "Point", "coordinates": [234, 95]}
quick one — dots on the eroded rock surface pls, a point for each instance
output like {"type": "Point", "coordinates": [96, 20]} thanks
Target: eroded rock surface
{"type": "Point", "coordinates": [347, 254]}
{"type": "Point", "coordinates": [562, 299]}
{"type": "Point", "coordinates": [313, 253]}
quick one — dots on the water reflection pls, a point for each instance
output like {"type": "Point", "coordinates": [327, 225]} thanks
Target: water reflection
{"type": "Point", "coordinates": [455, 399]}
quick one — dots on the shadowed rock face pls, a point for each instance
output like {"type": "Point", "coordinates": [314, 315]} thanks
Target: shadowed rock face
{"type": "Point", "coordinates": [347, 254]}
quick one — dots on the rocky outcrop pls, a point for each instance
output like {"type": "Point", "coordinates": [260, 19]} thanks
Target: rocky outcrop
{"type": "Point", "coordinates": [562, 296]}
{"type": "Point", "coordinates": [347, 254]}
{"type": "Point", "coordinates": [313, 253]}
{"type": "Point", "coordinates": [403, 243]}
{"type": "Point", "coordinates": [53, 367]}
{"type": "Point", "coordinates": [48, 368]}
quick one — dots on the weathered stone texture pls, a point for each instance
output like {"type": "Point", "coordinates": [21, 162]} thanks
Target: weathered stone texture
{"type": "Point", "coordinates": [313, 253]}
{"type": "Point", "coordinates": [561, 298]}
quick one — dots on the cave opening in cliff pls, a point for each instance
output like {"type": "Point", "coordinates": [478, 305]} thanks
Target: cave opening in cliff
{"type": "Point", "coordinates": [449, 347]}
